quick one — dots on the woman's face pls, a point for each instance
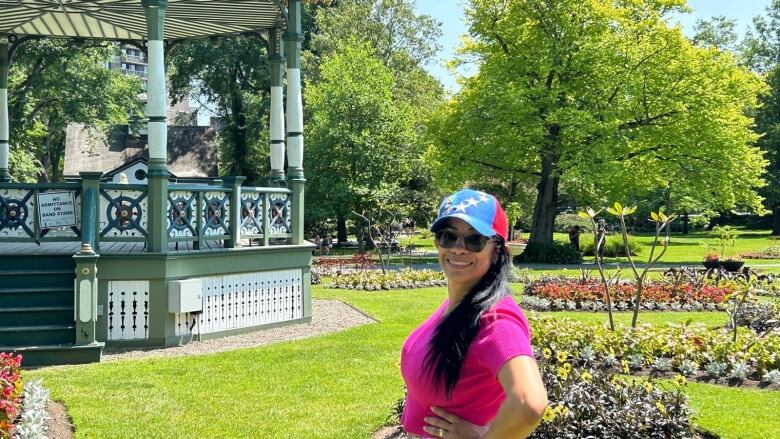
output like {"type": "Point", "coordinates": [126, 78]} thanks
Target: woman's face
{"type": "Point", "coordinates": [464, 268]}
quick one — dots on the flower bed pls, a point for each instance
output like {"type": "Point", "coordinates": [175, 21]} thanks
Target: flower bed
{"type": "Point", "coordinates": [374, 280]}
{"type": "Point", "coordinates": [692, 350]}
{"type": "Point", "coordinates": [330, 266]}
{"type": "Point", "coordinates": [772, 252]}
{"type": "Point", "coordinates": [558, 293]}
{"type": "Point", "coordinates": [592, 403]}
{"type": "Point", "coordinates": [32, 421]}
{"type": "Point", "coordinates": [10, 392]}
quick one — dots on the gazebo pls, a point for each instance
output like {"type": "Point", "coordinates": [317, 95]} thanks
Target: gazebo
{"type": "Point", "coordinates": [88, 263]}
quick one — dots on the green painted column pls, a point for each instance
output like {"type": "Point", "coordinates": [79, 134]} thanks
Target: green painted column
{"type": "Point", "coordinates": [86, 292]}
{"type": "Point", "coordinates": [293, 39]}
{"type": "Point", "coordinates": [234, 224]}
{"type": "Point", "coordinates": [276, 61]}
{"type": "Point", "coordinates": [5, 66]}
{"type": "Point", "coordinates": [156, 111]}
{"type": "Point", "coordinates": [90, 188]}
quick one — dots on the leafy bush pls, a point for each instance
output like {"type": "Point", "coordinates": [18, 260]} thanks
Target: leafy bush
{"type": "Point", "coordinates": [759, 317]}
{"type": "Point", "coordinates": [10, 392]}
{"type": "Point", "coordinates": [566, 221]}
{"type": "Point", "coordinates": [591, 403]}
{"type": "Point", "coordinates": [556, 253]}
{"type": "Point", "coordinates": [708, 350]}
{"type": "Point", "coordinates": [613, 247]}
{"type": "Point", "coordinates": [374, 280]}
{"type": "Point", "coordinates": [32, 422]}
{"type": "Point", "coordinates": [772, 252]}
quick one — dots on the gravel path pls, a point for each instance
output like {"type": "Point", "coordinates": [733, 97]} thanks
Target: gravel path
{"type": "Point", "coordinates": [327, 316]}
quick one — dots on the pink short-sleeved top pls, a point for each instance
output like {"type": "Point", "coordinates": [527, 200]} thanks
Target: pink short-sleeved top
{"type": "Point", "coordinates": [503, 334]}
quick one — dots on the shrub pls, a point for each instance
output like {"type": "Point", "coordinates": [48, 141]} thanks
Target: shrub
{"type": "Point", "coordinates": [760, 317]}
{"type": "Point", "coordinates": [565, 221]}
{"type": "Point", "coordinates": [712, 350]}
{"type": "Point", "coordinates": [591, 403]}
{"type": "Point", "coordinates": [772, 252]}
{"type": "Point", "coordinates": [556, 253]}
{"type": "Point", "coordinates": [613, 248]}
{"type": "Point", "coordinates": [375, 280]}
{"type": "Point", "coordinates": [32, 422]}
{"type": "Point", "coordinates": [10, 392]}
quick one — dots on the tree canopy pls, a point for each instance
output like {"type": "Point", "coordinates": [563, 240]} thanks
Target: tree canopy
{"type": "Point", "coordinates": [54, 83]}
{"type": "Point", "coordinates": [603, 99]}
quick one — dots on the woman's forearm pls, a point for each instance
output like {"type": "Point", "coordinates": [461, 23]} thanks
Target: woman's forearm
{"type": "Point", "coordinates": [516, 418]}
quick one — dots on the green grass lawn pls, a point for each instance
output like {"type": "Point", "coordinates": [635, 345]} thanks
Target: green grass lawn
{"type": "Point", "coordinates": [340, 385]}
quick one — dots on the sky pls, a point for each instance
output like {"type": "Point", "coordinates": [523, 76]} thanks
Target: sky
{"type": "Point", "coordinates": [450, 14]}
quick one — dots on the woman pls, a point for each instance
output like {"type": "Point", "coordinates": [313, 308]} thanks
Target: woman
{"type": "Point", "coordinates": [469, 368]}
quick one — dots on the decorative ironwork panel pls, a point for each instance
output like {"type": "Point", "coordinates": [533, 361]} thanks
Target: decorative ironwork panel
{"type": "Point", "coordinates": [67, 232]}
{"type": "Point", "coordinates": [17, 213]}
{"type": "Point", "coordinates": [216, 213]}
{"type": "Point", "coordinates": [123, 213]}
{"type": "Point", "coordinates": [279, 214]}
{"type": "Point", "coordinates": [252, 213]}
{"type": "Point", "coordinates": [182, 206]}
{"type": "Point", "coordinates": [128, 310]}
{"type": "Point", "coordinates": [251, 299]}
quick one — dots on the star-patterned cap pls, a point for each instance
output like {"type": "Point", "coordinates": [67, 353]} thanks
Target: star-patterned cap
{"type": "Point", "coordinates": [481, 211]}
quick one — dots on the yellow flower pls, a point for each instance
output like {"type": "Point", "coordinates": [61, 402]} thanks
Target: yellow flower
{"type": "Point", "coordinates": [549, 414]}
{"type": "Point", "coordinates": [661, 407]}
{"type": "Point", "coordinates": [563, 373]}
{"type": "Point", "coordinates": [624, 363]}
{"type": "Point", "coordinates": [547, 353]}
{"type": "Point", "coordinates": [648, 387]}
{"type": "Point", "coordinates": [561, 410]}
{"type": "Point", "coordinates": [586, 376]}
{"type": "Point", "coordinates": [679, 380]}
{"type": "Point", "coordinates": [567, 366]}
{"type": "Point", "coordinates": [562, 356]}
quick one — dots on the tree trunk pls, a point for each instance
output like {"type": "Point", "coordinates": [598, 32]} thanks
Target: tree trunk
{"type": "Point", "coordinates": [543, 222]}
{"type": "Point", "coordinates": [685, 223]}
{"type": "Point", "coordinates": [776, 221]}
{"type": "Point", "coordinates": [341, 229]}
{"type": "Point", "coordinates": [238, 132]}
{"type": "Point", "coordinates": [668, 208]}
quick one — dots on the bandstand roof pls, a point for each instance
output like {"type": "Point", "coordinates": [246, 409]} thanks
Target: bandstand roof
{"type": "Point", "coordinates": [125, 20]}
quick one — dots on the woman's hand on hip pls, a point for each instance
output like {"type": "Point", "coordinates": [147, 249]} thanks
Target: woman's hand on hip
{"type": "Point", "coordinates": [450, 426]}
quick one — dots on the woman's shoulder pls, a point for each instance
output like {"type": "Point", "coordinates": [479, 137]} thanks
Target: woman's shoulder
{"type": "Point", "coordinates": [505, 308]}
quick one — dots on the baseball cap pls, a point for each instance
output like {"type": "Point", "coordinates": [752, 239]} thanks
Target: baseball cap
{"type": "Point", "coordinates": [480, 210]}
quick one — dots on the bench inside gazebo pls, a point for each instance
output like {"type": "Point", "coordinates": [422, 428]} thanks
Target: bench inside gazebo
{"type": "Point", "coordinates": [90, 262]}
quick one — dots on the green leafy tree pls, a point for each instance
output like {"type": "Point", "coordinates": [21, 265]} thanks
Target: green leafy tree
{"type": "Point", "coordinates": [402, 41]}
{"type": "Point", "coordinates": [718, 32]}
{"type": "Point", "coordinates": [358, 144]}
{"type": "Point", "coordinates": [768, 124]}
{"type": "Point", "coordinates": [603, 98]}
{"type": "Point", "coordinates": [54, 83]}
{"type": "Point", "coordinates": [233, 76]}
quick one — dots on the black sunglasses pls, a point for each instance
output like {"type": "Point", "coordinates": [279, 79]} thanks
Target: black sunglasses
{"type": "Point", "coordinates": [473, 242]}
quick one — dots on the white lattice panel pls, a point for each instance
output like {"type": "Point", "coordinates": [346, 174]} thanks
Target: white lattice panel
{"type": "Point", "coordinates": [250, 299]}
{"type": "Point", "coordinates": [186, 324]}
{"type": "Point", "coordinates": [128, 310]}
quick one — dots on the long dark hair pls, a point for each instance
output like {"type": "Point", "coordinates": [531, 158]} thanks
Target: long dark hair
{"type": "Point", "coordinates": [453, 336]}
